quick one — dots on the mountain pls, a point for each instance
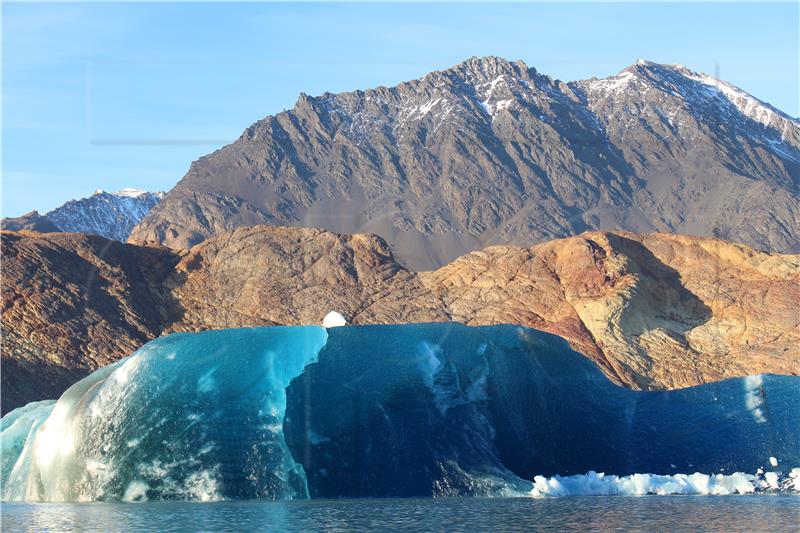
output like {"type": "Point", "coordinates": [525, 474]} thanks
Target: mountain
{"type": "Point", "coordinates": [493, 152]}
{"type": "Point", "coordinates": [653, 311]}
{"type": "Point", "coordinates": [108, 214]}
{"type": "Point", "coordinates": [32, 221]}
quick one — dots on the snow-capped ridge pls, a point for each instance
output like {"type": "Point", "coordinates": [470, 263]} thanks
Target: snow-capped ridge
{"type": "Point", "coordinates": [747, 104]}
{"type": "Point", "coordinates": [108, 214]}
{"type": "Point", "coordinates": [127, 192]}
{"type": "Point", "coordinates": [130, 193]}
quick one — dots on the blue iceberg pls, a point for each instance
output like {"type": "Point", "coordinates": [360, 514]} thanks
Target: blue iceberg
{"type": "Point", "coordinates": [380, 411]}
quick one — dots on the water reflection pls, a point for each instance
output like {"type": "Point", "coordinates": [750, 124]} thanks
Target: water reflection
{"type": "Point", "coordinates": [774, 513]}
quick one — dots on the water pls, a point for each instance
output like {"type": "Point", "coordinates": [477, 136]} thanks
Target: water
{"type": "Point", "coordinates": [767, 513]}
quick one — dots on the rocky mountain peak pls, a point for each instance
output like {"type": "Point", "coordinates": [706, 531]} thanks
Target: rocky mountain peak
{"type": "Point", "coordinates": [109, 214]}
{"type": "Point", "coordinates": [491, 151]}
{"type": "Point", "coordinates": [478, 70]}
{"type": "Point", "coordinates": [31, 221]}
{"type": "Point", "coordinates": [698, 88]}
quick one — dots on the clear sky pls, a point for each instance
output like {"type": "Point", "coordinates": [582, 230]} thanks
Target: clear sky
{"type": "Point", "coordinates": [111, 95]}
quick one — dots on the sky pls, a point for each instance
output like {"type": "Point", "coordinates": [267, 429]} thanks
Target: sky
{"type": "Point", "coordinates": [115, 95]}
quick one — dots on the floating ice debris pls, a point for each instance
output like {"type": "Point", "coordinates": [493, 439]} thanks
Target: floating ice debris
{"type": "Point", "coordinates": [599, 484]}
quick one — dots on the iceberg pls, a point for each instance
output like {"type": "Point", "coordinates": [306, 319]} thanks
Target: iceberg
{"type": "Point", "coordinates": [390, 411]}
{"type": "Point", "coordinates": [188, 417]}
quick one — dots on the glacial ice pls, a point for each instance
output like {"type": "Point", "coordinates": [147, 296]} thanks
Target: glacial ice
{"type": "Point", "coordinates": [407, 410]}
{"type": "Point", "coordinates": [599, 484]}
{"type": "Point", "coordinates": [188, 416]}
{"type": "Point", "coordinates": [334, 320]}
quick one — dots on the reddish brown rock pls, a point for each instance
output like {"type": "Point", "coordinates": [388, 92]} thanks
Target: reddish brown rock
{"type": "Point", "coordinates": [654, 312]}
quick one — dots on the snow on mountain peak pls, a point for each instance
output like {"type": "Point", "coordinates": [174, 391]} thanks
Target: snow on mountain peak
{"type": "Point", "coordinates": [614, 83]}
{"type": "Point", "coordinates": [747, 104]}
{"type": "Point", "coordinates": [645, 75]}
{"type": "Point", "coordinates": [109, 214]}
{"type": "Point", "coordinates": [130, 193]}
{"type": "Point", "coordinates": [127, 192]}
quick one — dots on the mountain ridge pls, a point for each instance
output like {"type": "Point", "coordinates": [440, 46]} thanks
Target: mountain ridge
{"type": "Point", "coordinates": [656, 311]}
{"type": "Point", "coordinates": [108, 214]}
{"type": "Point", "coordinates": [491, 151]}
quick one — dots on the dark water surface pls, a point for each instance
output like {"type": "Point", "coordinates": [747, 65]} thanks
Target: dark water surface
{"type": "Point", "coordinates": [767, 513]}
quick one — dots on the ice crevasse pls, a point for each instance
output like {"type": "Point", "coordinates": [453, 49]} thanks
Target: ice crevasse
{"type": "Point", "coordinates": [398, 410]}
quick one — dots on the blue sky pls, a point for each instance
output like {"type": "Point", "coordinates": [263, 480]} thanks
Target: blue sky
{"type": "Point", "coordinates": [111, 95]}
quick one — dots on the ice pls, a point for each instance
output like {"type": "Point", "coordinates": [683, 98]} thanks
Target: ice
{"type": "Point", "coordinates": [16, 428]}
{"type": "Point", "coordinates": [594, 483]}
{"type": "Point", "coordinates": [384, 411]}
{"type": "Point", "coordinates": [187, 417]}
{"type": "Point", "coordinates": [753, 398]}
{"type": "Point", "coordinates": [794, 477]}
{"type": "Point", "coordinates": [445, 410]}
{"type": "Point", "coordinates": [597, 484]}
{"type": "Point", "coordinates": [333, 320]}
{"type": "Point", "coordinates": [136, 492]}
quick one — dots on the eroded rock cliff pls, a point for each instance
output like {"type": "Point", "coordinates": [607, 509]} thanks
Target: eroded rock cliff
{"type": "Point", "coordinates": [654, 311]}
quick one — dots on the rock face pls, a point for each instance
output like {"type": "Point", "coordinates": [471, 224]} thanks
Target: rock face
{"type": "Point", "coordinates": [108, 214]}
{"type": "Point", "coordinates": [656, 311]}
{"type": "Point", "coordinates": [72, 303]}
{"type": "Point", "coordinates": [493, 152]}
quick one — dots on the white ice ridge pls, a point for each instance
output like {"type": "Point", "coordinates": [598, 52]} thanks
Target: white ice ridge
{"type": "Point", "coordinates": [333, 320]}
{"type": "Point", "coordinates": [599, 484]}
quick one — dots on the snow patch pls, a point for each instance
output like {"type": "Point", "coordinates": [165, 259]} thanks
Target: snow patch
{"type": "Point", "coordinates": [748, 105]}
{"type": "Point", "coordinates": [614, 83]}
{"type": "Point", "coordinates": [130, 193]}
{"type": "Point", "coordinates": [493, 109]}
